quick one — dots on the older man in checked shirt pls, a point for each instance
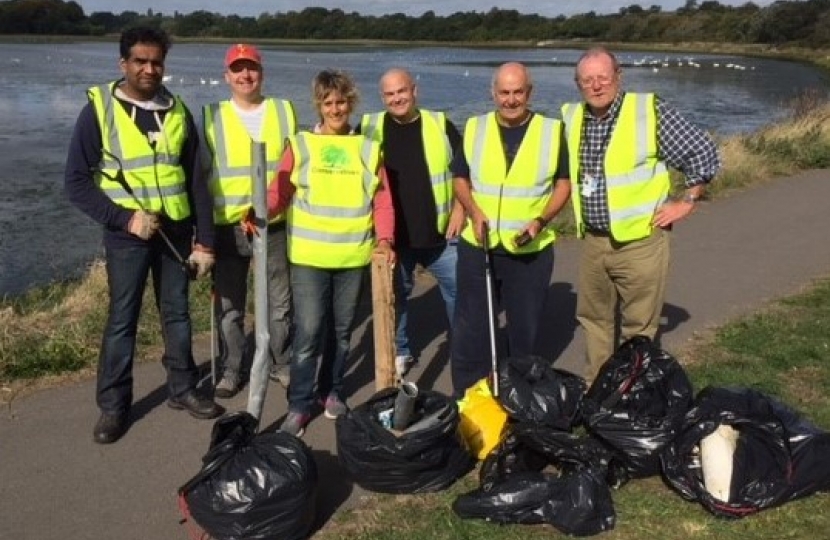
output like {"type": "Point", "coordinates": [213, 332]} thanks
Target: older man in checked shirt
{"type": "Point", "coordinates": [621, 146]}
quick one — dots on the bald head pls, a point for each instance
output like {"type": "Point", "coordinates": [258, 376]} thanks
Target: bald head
{"type": "Point", "coordinates": [512, 87]}
{"type": "Point", "coordinates": [399, 95]}
{"type": "Point", "coordinates": [395, 76]}
{"type": "Point", "coordinates": [512, 71]}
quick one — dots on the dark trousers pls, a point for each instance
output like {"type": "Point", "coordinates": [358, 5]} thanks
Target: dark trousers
{"type": "Point", "coordinates": [520, 286]}
{"type": "Point", "coordinates": [127, 271]}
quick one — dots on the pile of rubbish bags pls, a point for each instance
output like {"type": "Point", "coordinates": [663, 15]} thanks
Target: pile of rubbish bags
{"type": "Point", "coordinates": [552, 450]}
{"type": "Point", "coordinates": [734, 450]}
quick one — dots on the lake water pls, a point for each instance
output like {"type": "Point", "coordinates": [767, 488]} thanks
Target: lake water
{"type": "Point", "coordinates": [42, 89]}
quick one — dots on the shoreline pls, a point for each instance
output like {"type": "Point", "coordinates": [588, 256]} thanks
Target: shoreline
{"type": "Point", "coordinates": [819, 58]}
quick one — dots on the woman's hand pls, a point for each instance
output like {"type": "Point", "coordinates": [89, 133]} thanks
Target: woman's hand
{"type": "Point", "coordinates": [385, 247]}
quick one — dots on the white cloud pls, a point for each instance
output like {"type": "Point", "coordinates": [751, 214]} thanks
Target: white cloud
{"type": "Point", "coordinates": [378, 7]}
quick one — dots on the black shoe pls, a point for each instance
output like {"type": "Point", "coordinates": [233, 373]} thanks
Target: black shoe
{"type": "Point", "coordinates": [110, 428]}
{"type": "Point", "coordinates": [197, 405]}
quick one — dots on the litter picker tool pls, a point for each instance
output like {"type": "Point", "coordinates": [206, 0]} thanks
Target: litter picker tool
{"type": "Point", "coordinates": [491, 315]}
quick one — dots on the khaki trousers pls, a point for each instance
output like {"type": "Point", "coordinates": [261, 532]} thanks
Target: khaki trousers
{"type": "Point", "coordinates": [619, 281]}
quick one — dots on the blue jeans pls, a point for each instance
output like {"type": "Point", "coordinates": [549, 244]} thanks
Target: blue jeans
{"type": "Point", "coordinates": [127, 271]}
{"type": "Point", "coordinates": [325, 302]}
{"type": "Point", "coordinates": [520, 285]}
{"type": "Point", "coordinates": [441, 263]}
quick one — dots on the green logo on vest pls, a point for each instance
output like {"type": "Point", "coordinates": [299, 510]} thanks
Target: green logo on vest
{"type": "Point", "coordinates": [334, 157]}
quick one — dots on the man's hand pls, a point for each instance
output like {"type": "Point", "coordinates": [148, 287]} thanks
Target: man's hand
{"type": "Point", "coordinates": [457, 221]}
{"type": "Point", "coordinates": [672, 212]}
{"type": "Point", "coordinates": [201, 260]}
{"type": "Point", "coordinates": [143, 224]}
{"type": "Point", "coordinates": [480, 225]}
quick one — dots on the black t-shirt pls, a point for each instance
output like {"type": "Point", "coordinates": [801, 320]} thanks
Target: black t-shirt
{"type": "Point", "coordinates": [405, 161]}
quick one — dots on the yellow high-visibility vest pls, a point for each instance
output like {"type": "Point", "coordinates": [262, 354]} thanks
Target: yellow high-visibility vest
{"type": "Point", "coordinates": [154, 175]}
{"type": "Point", "coordinates": [637, 180]}
{"type": "Point", "coordinates": [330, 222]}
{"type": "Point", "coordinates": [231, 182]}
{"type": "Point", "coordinates": [437, 150]}
{"type": "Point", "coordinates": [511, 198]}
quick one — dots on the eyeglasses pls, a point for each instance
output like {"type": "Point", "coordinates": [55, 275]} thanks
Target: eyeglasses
{"type": "Point", "coordinates": [601, 80]}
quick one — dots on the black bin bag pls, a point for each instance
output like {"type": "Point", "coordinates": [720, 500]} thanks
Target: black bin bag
{"type": "Point", "coordinates": [532, 391]}
{"type": "Point", "coordinates": [540, 475]}
{"type": "Point", "coordinates": [779, 455]}
{"type": "Point", "coordinates": [252, 486]}
{"type": "Point", "coordinates": [636, 405]}
{"type": "Point", "coordinates": [428, 456]}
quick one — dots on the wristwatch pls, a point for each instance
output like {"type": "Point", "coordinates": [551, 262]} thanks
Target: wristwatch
{"type": "Point", "coordinates": [690, 198]}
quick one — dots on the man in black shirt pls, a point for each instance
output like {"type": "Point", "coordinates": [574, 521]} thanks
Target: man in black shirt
{"type": "Point", "coordinates": [418, 146]}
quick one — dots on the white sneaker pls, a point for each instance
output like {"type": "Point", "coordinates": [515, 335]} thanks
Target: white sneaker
{"type": "Point", "coordinates": [403, 362]}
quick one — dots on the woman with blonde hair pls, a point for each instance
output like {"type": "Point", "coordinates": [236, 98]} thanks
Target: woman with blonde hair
{"type": "Point", "coordinates": [333, 187]}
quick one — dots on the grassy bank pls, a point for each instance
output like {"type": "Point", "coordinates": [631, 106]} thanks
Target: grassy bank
{"type": "Point", "coordinates": [782, 351]}
{"type": "Point", "coordinates": [55, 330]}
{"type": "Point", "coordinates": [53, 333]}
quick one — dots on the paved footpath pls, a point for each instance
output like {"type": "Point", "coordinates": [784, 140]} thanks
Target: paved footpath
{"type": "Point", "coordinates": [732, 256]}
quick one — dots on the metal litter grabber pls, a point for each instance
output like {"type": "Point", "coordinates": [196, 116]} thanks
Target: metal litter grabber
{"type": "Point", "coordinates": [491, 315]}
{"type": "Point", "coordinates": [258, 385]}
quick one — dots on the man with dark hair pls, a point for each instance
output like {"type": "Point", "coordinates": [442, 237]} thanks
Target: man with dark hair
{"type": "Point", "coordinates": [133, 167]}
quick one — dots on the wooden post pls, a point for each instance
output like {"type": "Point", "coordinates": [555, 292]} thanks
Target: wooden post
{"type": "Point", "coordinates": [383, 321]}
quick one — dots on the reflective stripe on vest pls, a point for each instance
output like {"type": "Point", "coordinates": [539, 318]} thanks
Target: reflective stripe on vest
{"type": "Point", "coordinates": [231, 180]}
{"type": "Point", "coordinates": [153, 173]}
{"type": "Point", "coordinates": [330, 217]}
{"type": "Point", "coordinates": [637, 180]}
{"type": "Point", "coordinates": [511, 198]}
{"type": "Point", "coordinates": [438, 153]}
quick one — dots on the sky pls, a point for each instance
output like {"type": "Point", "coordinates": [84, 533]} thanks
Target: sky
{"type": "Point", "coordinates": [381, 7]}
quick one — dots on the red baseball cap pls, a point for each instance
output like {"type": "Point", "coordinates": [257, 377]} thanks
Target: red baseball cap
{"type": "Point", "coordinates": [241, 51]}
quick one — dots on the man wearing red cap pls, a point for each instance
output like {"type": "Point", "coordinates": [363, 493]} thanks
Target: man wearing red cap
{"type": "Point", "coordinates": [229, 128]}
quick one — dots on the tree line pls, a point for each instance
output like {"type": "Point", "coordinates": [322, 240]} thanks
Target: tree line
{"type": "Point", "coordinates": [803, 23]}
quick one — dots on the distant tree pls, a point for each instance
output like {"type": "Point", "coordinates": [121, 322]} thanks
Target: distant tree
{"type": "Point", "coordinates": [634, 9]}
{"type": "Point", "coordinates": [712, 5]}
{"type": "Point", "coordinates": [198, 23]}
{"type": "Point", "coordinates": [689, 7]}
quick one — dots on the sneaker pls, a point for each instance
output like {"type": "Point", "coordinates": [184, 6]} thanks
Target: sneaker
{"type": "Point", "coordinates": [334, 407]}
{"type": "Point", "coordinates": [403, 362]}
{"type": "Point", "coordinates": [295, 423]}
{"type": "Point", "coordinates": [280, 374]}
{"type": "Point", "coordinates": [227, 387]}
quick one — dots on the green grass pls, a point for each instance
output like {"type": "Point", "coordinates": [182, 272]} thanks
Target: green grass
{"type": "Point", "coordinates": [56, 329]}
{"type": "Point", "coordinates": [783, 351]}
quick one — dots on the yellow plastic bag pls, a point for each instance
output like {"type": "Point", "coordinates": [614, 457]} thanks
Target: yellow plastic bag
{"type": "Point", "coordinates": [482, 419]}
